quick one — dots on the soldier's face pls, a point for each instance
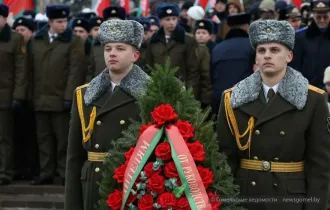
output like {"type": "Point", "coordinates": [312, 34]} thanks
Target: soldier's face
{"type": "Point", "coordinates": [232, 9]}
{"type": "Point", "coordinates": [58, 25]}
{"type": "Point", "coordinates": [94, 32]}
{"type": "Point", "coordinates": [202, 36]}
{"type": "Point", "coordinates": [272, 58]}
{"type": "Point", "coordinates": [153, 29]}
{"type": "Point", "coordinates": [120, 56]}
{"type": "Point", "coordinates": [25, 32]}
{"type": "Point", "coordinates": [321, 19]}
{"type": "Point", "coordinates": [81, 32]}
{"type": "Point", "coordinates": [295, 22]}
{"type": "Point", "coordinates": [3, 21]}
{"type": "Point", "coordinates": [169, 23]}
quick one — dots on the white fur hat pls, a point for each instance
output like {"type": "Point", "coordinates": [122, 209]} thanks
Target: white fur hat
{"type": "Point", "coordinates": [196, 12]}
{"type": "Point", "coordinates": [326, 77]}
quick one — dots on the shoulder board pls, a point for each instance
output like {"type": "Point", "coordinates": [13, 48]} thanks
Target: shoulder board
{"type": "Point", "coordinates": [82, 86]}
{"type": "Point", "coordinates": [228, 90]}
{"type": "Point", "coordinates": [315, 89]}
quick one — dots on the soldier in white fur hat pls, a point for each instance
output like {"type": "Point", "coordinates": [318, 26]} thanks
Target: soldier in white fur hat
{"type": "Point", "coordinates": [326, 81]}
{"type": "Point", "coordinates": [108, 101]}
{"type": "Point", "coordinates": [274, 128]}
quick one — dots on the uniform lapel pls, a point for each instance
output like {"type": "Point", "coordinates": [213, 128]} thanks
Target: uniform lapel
{"type": "Point", "coordinates": [118, 98]}
{"type": "Point", "coordinates": [255, 107]}
{"type": "Point", "coordinates": [276, 107]}
{"type": "Point", "coordinates": [171, 43]}
{"type": "Point", "coordinates": [101, 100]}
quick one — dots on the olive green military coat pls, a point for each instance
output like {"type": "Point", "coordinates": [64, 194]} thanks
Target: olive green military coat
{"type": "Point", "coordinates": [205, 84]}
{"type": "Point", "coordinates": [57, 68]}
{"type": "Point", "coordinates": [292, 127]}
{"type": "Point", "coordinates": [97, 60]}
{"type": "Point", "coordinates": [182, 49]}
{"type": "Point", "coordinates": [13, 71]}
{"type": "Point", "coordinates": [113, 111]}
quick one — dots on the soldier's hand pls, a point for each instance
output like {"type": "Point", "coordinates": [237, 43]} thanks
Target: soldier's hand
{"type": "Point", "coordinates": [67, 105]}
{"type": "Point", "coordinates": [17, 104]}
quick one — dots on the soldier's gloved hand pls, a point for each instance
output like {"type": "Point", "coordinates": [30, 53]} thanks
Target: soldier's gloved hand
{"type": "Point", "coordinates": [17, 104]}
{"type": "Point", "coordinates": [67, 105]}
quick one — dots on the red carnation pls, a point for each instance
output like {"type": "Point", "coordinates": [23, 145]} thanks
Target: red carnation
{"type": "Point", "coordinates": [129, 154]}
{"type": "Point", "coordinates": [182, 204]}
{"type": "Point", "coordinates": [149, 171]}
{"type": "Point", "coordinates": [146, 202]}
{"type": "Point", "coordinates": [163, 113]}
{"type": "Point", "coordinates": [163, 151]}
{"type": "Point", "coordinates": [214, 200]}
{"type": "Point", "coordinates": [144, 127]}
{"type": "Point", "coordinates": [170, 170]}
{"type": "Point", "coordinates": [115, 199]}
{"type": "Point", "coordinates": [206, 175]}
{"type": "Point", "coordinates": [197, 150]}
{"type": "Point", "coordinates": [131, 199]}
{"type": "Point", "coordinates": [156, 183]}
{"type": "Point", "coordinates": [120, 173]}
{"type": "Point", "coordinates": [186, 129]}
{"type": "Point", "coordinates": [167, 200]}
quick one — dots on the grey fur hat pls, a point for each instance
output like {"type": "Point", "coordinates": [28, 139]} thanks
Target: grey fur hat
{"type": "Point", "coordinates": [266, 31]}
{"type": "Point", "coordinates": [126, 31]}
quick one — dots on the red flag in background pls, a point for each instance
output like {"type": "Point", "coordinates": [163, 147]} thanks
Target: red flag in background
{"type": "Point", "coordinates": [100, 6]}
{"type": "Point", "coordinates": [297, 3]}
{"type": "Point", "coordinates": [18, 6]}
{"type": "Point", "coordinates": [126, 5]}
{"type": "Point", "coordinates": [202, 3]}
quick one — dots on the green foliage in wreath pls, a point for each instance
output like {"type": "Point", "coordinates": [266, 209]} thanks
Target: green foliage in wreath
{"type": "Point", "coordinates": [165, 88]}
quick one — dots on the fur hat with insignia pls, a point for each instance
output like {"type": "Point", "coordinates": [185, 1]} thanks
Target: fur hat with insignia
{"type": "Point", "coordinates": [125, 31]}
{"type": "Point", "coordinates": [114, 12]}
{"type": "Point", "coordinates": [81, 22]}
{"type": "Point", "coordinates": [4, 10]}
{"type": "Point", "coordinates": [166, 9]}
{"type": "Point", "coordinates": [238, 19]}
{"type": "Point", "coordinates": [154, 20]}
{"type": "Point", "coordinates": [95, 21]}
{"type": "Point", "coordinates": [205, 24]}
{"type": "Point", "coordinates": [267, 31]}
{"type": "Point", "coordinates": [57, 11]}
{"type": "Point", "coordinates": [326, 77]}
{"type": "Point", "coordinates": [22, 21]}
{"type": "Point", "coordinates": [320, 6]}
{"type": "Point", "coordinates": [145, 23]}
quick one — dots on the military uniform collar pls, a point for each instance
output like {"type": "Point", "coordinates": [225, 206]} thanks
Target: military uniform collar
{"type": "Point", "coordinates": [66, 36]}
{"type": "Point", "coordinates": [293, 88]}
{"type": "Point", "coordinates": [134, 83]}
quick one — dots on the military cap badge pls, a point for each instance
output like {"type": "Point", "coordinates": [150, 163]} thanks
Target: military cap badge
{"type": "Point", "coordinates": [320, 5]}
{"type": "Point", "coordinates": [145, 25]}
{"type": "Point", "coordinates": [79, 21]}
{"type": "Point", "coordinates": [98, 21]}
{"type": "Point", "coordinates": [201, 24]}
{"type": "Point", "coordinates": [169, 11]}
{"type": "Point", "coordinates": [20, 21]}
{"type": "Point", "coordinates": [152, 20]}
{"type": "Point", "coordinates": [113, 12]}
{"type": "Point", "coordinates": [295, 10]}
{"type": "Point", "coordinates": [63, 12]}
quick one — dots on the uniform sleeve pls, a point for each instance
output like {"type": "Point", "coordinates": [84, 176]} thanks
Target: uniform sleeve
{"type": "Point", "coordinates": [317, 156]}
{"type": "Point", "coordinates": [205, 84]}
{"type": "Point", "coordinates": [77, 71]}
{"type": "Point", "coordinates": [192, 64]}
{"type": "Point", "coordinates": [149, 58]}
{"type": "Point", "coordinates": [21, 70]}
{"type": "Point", "coordinates": [76, 156]}
{"type": "Point", "coordinates": [227, 143]}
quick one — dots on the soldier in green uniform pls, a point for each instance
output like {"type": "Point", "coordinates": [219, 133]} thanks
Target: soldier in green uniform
{"type": "Point", "coordinates": [146, 25]}
{"type": "Point", "coordinates": [13, 88]}
{"type": "Point", "coordinates": [56, 57]}
{"type": "Point", "coordinates": [94, 24]}
{"type": "Point", "coordinates": [101, 111]}
{"type": "Point", "coordinates": [274, 128]}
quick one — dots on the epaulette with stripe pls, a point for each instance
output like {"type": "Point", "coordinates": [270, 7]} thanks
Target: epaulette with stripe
{"type": "Point", "coordinates": [228, 90]}
{"type": "Point", "coordinates": [315, 89]}
{"type": "Point", "coordinates": [82, 86]}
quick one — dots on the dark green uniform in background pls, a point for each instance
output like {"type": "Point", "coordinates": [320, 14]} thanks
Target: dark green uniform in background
{"type": "Point", "coordinates": [97, 64]}
{"type": "Point", "coordinates": [13, 86]}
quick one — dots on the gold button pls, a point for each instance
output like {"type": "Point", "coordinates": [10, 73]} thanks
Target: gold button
{"type": "Point", "coordinates": [257, 132]}
{"type": "Point", "coordinates": [275, 185]}
{"type": "Point", "coordinates": [276, 159]}
{"type": "Point", "coordinates": [97, 146]}
{"type": "Point", "coordinates": [98, 123]}
{"type": "Point", "coordinates": [122, 122]}
{"type": "Point", "coordinates": [282, 133]}
{"type": "Point", "coordinates": [255, 158]}
{"type": "Point", "coordinates": [253, 183]}
{"type": "Point", "coordinates": [97, 169]}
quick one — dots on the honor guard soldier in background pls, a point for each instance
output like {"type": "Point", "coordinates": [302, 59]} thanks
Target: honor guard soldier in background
{"type": "Point", "coordinates": [155, 25]}
{"type": "Point", "coordinates": [25, 153]}
{"type": "Point", "coordinates": [146, 26]}
{"type": "Point", "coordinates": [94, 24]}
{"type": "Point", "coordinates": [293, 16]}
{"type": "Point", "coordinates": [274, 127]}
{"type": "Point", "coordinates": [171, 41]}
{"type": "Point", "coordinates": [106, 104]}
{"type": "Point", "coordinates": [57, 56]}
{"type": "Point", "coordinates": [13, 88]}
{"type": "Point", "coordinates": [203, 31]}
